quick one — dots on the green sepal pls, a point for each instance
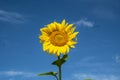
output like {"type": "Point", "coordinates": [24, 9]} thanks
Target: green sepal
{"type": "Point", "coordinates": [61, 61]}
{"type": "Point", "coordinates": [48, 74]}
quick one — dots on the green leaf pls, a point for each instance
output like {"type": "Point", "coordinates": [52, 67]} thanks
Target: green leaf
{"type": "Point", "coordinates": [65, 57]}
{"type": "Point", "coordinates": [55, 63]}
{"type": "Point", "coordinates": [48, 74]}
{"type": "Point", "coordinates": [88, 79]}
{"type": "Point", "coordinates": [61, 61]}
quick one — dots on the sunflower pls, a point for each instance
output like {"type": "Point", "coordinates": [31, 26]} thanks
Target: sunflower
{"type": "Point", "coordinates": [58, 38]}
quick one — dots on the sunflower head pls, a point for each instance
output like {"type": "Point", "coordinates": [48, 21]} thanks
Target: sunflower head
{"type": "Point", "coordinates": [58, 38]}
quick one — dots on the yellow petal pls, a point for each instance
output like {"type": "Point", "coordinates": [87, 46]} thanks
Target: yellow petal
{"type": "Point", "coordinates": [71, 43]}
{"type": "Point", "coordinates": [67, 49]}
{"type": "Point", "coordinates": [51, 49]}
{"type": "Point", "coordinates": [73, 35]}
{"type": "Point", "coordinates": [68, 27]}
{"type": "Point", "coordinates": [66, 24]}
{"type": "Point", "coordinates": [55, 50]}
{"type": "Point", "coordinates": [44, 38]}
{"type": "Point", "coordinates": [63, 50]}
{"type": "Point", "coordinates": [72, 46]}
{"type": "Point", "coordinates": [46, 47]}
{"type": "Point", "coordinates": [45, 30]}
{"type": "Point", "coordinates": [53, 26]}
{"type": "Point", "coordinates": [50, 28]}
{"type": "Point", "coordinates": [58, 53]}
{"type": "Point", "coordinates": [63, 23]}
{"type": "Point", "coordinates": [73, 29]}
{"type": "Point", "coordinates": [44, 33]}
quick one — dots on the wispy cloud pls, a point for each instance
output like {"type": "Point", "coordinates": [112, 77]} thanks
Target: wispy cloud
{"type": "Point", "coordinates": [82, 76]}
{"type": "Point", "coordinates": [11, 17]}
{"type": "Point", "coordinates": [89, 61]}
{"type": "Point", "coordinates": [17, 73]}
{"type": "Point", "coordinates": [84, 22]}
{"type": "Point", "coordinates": [88, 58]}
{"type": "Point", "coordinates": [94, 63]}
{"type": "Point", "coordinates": [104, 13]}
{"type": "Point", "coordinates": [116, 58]}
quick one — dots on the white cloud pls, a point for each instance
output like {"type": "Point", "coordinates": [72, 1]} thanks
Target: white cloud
{"type": "Point", "coordinates": [11, 79]}
{"type": "Point", "coordinates": [94, 64]}
{"type": "Point", "coordinates": [88, 58]}
{"type": "Point", "coordinates": [84, 22]}
{"type": "Point", "coordinates": [80, 76]}
{"type": "Point", "coordinates": [117, 58]}
{"type": "Point", "coordinates": [17, 73]}
{"type": "Point", "coordinates": [11, 17]}
{"type": "Point", "coordinates": [89, 61]}
{"type": "Point", "coordinates": [104, 13]}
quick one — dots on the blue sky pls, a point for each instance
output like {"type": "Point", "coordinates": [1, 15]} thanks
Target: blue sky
{"type": "Point", "coordinates": [96, 56]}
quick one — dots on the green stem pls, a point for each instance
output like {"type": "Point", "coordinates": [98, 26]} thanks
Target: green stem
{"type": "Point", "coordinates": [56, 77]}
{"type": "Point", "coordinates": [60, 74]}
